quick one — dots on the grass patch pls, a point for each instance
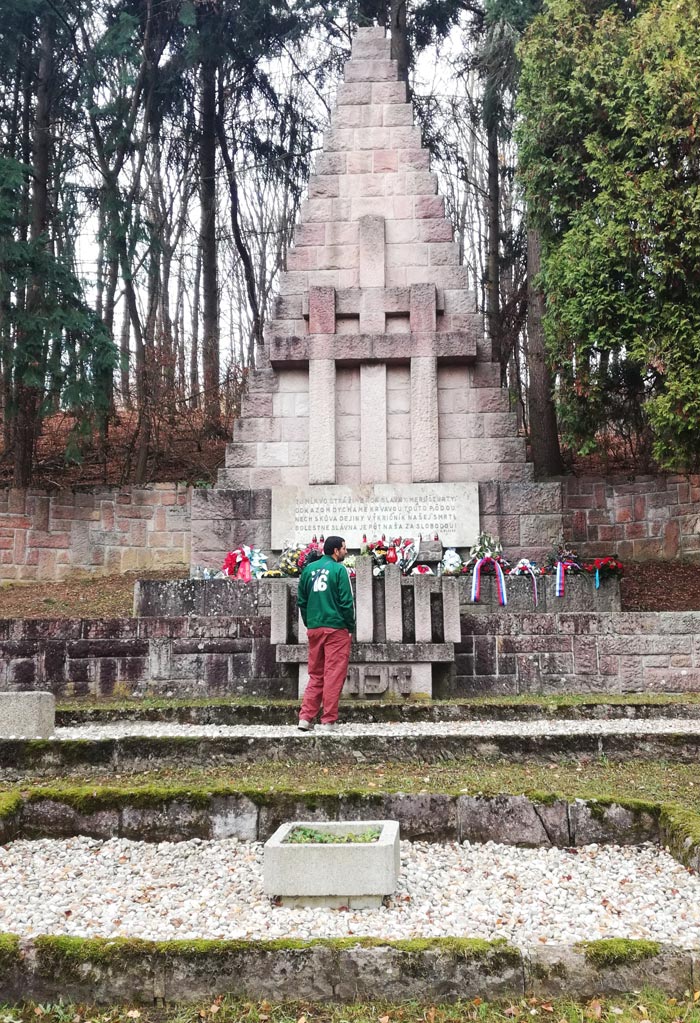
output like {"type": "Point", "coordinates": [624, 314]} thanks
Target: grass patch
{"type": "Point", "coordinates": [646, 1005]}
{"type": "Point", "coordinates": [638, 783]}
{"type": "Point", "coordinates": [544, 702]}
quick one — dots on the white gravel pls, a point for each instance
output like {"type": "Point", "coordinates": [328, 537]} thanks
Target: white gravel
{"type": "Point", "coordinates": [86, 887]}
{"type": "Point", "coordinates": [481, 728]}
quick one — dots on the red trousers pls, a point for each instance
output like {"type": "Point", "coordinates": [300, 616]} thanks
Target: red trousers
{"type": "Point", "coordinates": [329, 655]}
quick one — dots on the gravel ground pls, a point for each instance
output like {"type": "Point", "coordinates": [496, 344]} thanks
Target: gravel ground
{"type": "Point", "coordinates": [121, 729]}
{"type": "Point", "coordinates": [86, 887]}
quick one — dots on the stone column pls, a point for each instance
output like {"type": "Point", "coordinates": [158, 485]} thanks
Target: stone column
{"type": "Point", "coordinates": [425, 455]}
{"type": "Point", "coordinates": [373, 423]}
{"type": "Point", "coordinates": [393, 620]}
{"type": "Point", "coordinates": [451, 625]}
{"type": "Point", "coordinates": [279, 612]}
{"type": "Point", "coordinates": [422, 585]}
{"type": "Point", "coordinates": [364, 608]}
{"type": "Point", "coordinates": [322, 421]}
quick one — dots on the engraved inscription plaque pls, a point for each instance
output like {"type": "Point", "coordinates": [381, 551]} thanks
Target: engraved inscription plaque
{"type": "Point", "coordinates": [412, 509]}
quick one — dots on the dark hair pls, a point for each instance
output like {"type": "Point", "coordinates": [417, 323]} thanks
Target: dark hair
{"type": "Point", "coordinates": [333, 543]}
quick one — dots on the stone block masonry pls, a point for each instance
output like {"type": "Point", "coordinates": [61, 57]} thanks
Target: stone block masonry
{"type": "Point", "coordinates": [230, 653]}
{"type": "Point", "coordinates": [642, 519]}
{"type": "Point", "coordinates": [52, 535]}
{"type": "Point", "coordinates": [47, 536]}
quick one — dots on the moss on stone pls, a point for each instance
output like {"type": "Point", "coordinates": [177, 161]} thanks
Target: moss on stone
{"type": "Point", "coordinates": [9, 953]}
{"type": "Point", "coordinates": [681, 827]}
{"type": "Point", "coordinates": [65, 957]}
{"type": "Point", "coordinates": [10, 804]}
{"type": "Point", "coordinates": [610, 952]}
{"type": "Point", "coordinates": [498, 951]}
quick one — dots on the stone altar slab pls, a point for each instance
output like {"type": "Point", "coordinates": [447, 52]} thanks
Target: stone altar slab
{"type": "Point", "coordinates": [410, 509]}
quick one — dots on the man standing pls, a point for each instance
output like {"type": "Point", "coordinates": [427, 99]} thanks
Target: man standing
{"type": "Point", "coordinates": [328, 612]}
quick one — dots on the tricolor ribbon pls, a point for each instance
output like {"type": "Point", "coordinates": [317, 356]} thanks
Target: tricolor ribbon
{"type": "Point", "coordinates": [562, 566]}
{"type": "Point", "coordinates": [500, 580]}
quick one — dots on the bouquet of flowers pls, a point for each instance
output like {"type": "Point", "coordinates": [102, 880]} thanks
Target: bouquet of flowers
{"type": "Point", "coordinates": [487, 556]}
{"type": "Point", "coordinates": [487, 548]}
{"type": "Point", "coordinates": [350, 565]}
{"type": "Point", "coordinates": [451, 563]}
{"type": "Point", "coordinates": [377, 550]}
{"type": "Point", "coordinates": [312, 552]}
{"type": "Point", "coordinates": [561, 561]}
{"type": "Point", "coordinates": [562, 553]}
{"type": "Point", "coordinates": [289, 561]}
{"type": "Point", "coordinates": [406, 553]}
{"type": "Point", "coordinates": [401, 551]}
{"type": "Point", "coordinates": [422, 570]}
{"type": "Point", "coordinates": [604, 567]}
{"type": "Point", "coordinates": [527, 567]}
{"type": "Point", "coordinates": [244, 563]}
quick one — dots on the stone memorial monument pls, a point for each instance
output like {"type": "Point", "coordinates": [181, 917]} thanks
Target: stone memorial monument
{"type": "Point", "coordinates": [375, 407]}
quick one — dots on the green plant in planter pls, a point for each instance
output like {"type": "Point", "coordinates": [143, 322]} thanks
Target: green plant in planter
{"type": "Point", "coordinates": [312, 836]}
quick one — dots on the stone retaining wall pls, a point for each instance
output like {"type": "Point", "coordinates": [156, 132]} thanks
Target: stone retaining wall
{"type": "Point", "coordinates": [641, 519]}
{"type": "Point", "coordinates": [231, 655]}
{"type": "Point", "coordinates": [51, 535]}
{"type": "Point", "coordinates": [46, 536]}
{"type": "Point", "coordinates": [55, 758]}
{"type": "Point", "coordinates": [435, 817]}
{"type": "Point", "coordinates": [435, 971]}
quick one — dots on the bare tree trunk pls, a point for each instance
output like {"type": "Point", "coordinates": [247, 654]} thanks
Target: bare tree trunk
{"type": "Point", "coordinates": [493, 280]}
{"type": "Point", "coordinates": [400, 46]}
{"type": "Point", "coordinates": [210, 293]}
{"type": "Point", "coordinates": [194, 348]}
{"type": "Point", "coordinates": [125, 356]}
{"type": "Point", "coordinates": [544, 439]}
{"type": "Point", "coordinates": [256, 330]}
{"type": "Point", "coordinates": [28, 393]}
{"type": "Point", "coordinates": [179, 331]}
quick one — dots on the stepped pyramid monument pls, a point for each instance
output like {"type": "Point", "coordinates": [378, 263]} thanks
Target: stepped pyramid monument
{"type": "Point", "coordinates": [376, 406]}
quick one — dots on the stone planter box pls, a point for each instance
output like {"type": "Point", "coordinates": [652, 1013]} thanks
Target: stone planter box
{"type": "Point", "coordinates": [353, 874]}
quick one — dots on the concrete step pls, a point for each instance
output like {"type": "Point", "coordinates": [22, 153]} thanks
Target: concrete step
{"type": "Point", "coordinates": [285, 712]}
{"type": "Point", "coordinates": [115, 747]}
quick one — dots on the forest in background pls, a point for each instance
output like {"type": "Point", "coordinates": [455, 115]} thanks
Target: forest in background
{"type": "Point", "coordinates": [154, 153]}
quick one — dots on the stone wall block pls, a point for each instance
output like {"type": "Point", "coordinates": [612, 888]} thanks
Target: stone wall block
{"type": "Point", "coordinates": [423, 307]}
{"type": "Point", "coordinates": [373, 418]}
{"type": "Point", "coordinates": [321, 310]}
{"type": "Point", "coordinates": [564, 971]}
{"type": "Point", "coordinates": [597, 823]}
{"type": "Point", "coordinates": [372, 253]}
{"type": "Point", "coordinates": [351, 93]}
{"type": "Point", "coordinates": [513, 820]}
{"type": "Point", "coordinates": [357, 70]}
{"type": "Point", "coordinates": [388, 92]}
{"type": "Point", "coordinates": [322, 443]}
{"type": "Point", "coordinates": [424, 420]}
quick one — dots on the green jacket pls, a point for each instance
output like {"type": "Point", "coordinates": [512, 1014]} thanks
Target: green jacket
{"type": "Point", "coordinates": [325, 595]}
